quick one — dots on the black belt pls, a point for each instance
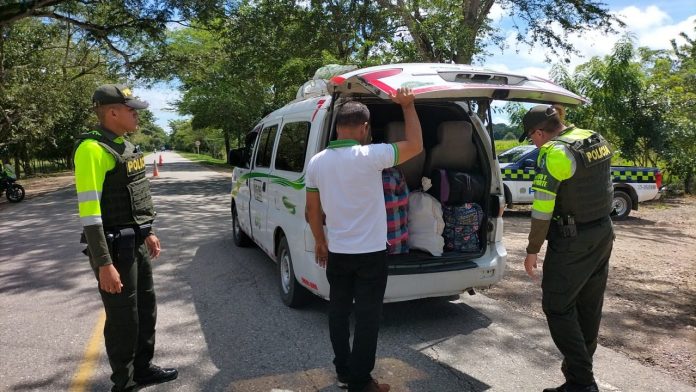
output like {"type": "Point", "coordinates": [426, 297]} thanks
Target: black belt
{"type": "Point", "coordinates": [591, 224]}
{"type": "Point", "coordinates": [141, 231]}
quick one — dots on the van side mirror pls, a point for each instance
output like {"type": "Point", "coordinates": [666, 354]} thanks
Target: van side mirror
{"type": "Point", "coordinates": [237, 157]}
{"type": "Point", "coordinates": [528, 163]}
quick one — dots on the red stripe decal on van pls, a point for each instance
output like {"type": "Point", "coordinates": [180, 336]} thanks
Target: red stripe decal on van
{"type": "Point", "coordinates": [373, 78]}
{"type": "Point", "coordinates": [338, 80]}
{"type": "Point", "coordinates": [319, 103]}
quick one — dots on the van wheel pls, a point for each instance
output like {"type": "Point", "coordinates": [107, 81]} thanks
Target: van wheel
{"type": "Point", "coordinates": [622, 204]}
{"type": "Point", "coordinates": [240, 238]}
{"type": "Point", "coordinates": [292, 292]}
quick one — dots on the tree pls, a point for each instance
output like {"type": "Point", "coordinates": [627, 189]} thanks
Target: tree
{"type": "Point", "coordinates": [624, 108]}
{"type": "Point", "coordinates": [673, 81]}
{"type": "Point", "coordinates": [457, 31]}
{"type": "Point", "coordinates": [46, 78]}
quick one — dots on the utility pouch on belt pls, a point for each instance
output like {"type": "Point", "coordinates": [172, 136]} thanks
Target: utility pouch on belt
{"type": "Point", "coordinates": [83, 240]}
{"type": "Point", "coordinates": [566, 226]}
{"type": "Point", "coordinates": [125, 245]}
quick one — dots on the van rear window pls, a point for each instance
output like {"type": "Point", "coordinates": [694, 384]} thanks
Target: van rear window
{"type": "Point", "coordinates": [292, 146]}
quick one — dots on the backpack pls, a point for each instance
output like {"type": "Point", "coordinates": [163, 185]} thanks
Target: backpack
{"type": "Point", "coordinates": [462, 225]}
{"type": "Point", "coordinates": [454, 188]}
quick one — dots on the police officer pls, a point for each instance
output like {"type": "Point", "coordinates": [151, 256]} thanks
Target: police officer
{"type": "Point", "coordinates": [571, 209]}
{"type": "Point", "coordinates": [116, 213]}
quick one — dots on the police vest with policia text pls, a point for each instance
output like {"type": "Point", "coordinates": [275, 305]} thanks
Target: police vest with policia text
{"type": "Point", "coordinates": [126, 198]}
{"type": "Point", "coordinates": [588, 194]}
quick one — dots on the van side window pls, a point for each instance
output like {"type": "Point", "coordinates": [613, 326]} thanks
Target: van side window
{"type": "Point", "coordinates": [265, 148]}
{"type": "Point", "coordinates": [292, 146]}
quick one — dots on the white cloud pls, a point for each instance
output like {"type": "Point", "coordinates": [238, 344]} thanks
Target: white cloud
{"type": "Point", "coordinates": [637, 19]}
{"type": "Point", "coordinates": [650, 26]}
{"type": "Point", "coordinates": [497, 13]}
{"type": "Point", "coordinates": [660, 37]}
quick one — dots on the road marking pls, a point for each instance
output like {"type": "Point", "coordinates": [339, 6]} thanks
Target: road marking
{"type": "Point", "coordinates": [90, 359]}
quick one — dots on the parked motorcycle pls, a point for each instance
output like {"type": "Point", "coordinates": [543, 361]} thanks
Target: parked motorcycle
{"type": "Point", "coordinates": [13, 191]}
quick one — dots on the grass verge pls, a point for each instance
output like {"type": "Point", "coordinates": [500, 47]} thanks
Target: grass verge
{"type": "Point", "coordinates": [205, 160]}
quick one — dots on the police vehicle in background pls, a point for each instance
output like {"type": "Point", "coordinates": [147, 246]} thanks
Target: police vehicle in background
{"type": "Point", "coordinates": [632, 185]}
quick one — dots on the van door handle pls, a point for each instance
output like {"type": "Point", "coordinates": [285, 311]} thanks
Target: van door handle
{"type": "Point", "coordinates": [263, 187]}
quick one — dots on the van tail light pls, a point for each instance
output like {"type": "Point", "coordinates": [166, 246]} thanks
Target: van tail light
{"type": "Point", "coordinates": [658, 179]}
{"type": "Point", "coordinates": [501, 206]}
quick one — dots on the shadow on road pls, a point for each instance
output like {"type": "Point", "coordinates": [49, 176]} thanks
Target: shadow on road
{"type": "Point", "coordinates": [269, 345]}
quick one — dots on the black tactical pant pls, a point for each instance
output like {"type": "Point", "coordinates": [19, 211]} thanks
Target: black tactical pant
{"type": "Point", "coordinates": [129, 332]}
{"type": "Point", "coordinates": [362, 277]}
{"type": "Point", "coordinates": [575, 276]}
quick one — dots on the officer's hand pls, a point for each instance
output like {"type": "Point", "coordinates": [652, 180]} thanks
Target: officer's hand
{"type": "Point", "coordinates": [321, 254]}
{"type": "Point", "coordinates": [530, 264]}
{"type": "Point", "coordinates": [404, 96]}
{"type": "Point", "coordinates": [109, 279]}
{"type": "Point", "coordinates": [153, 245]}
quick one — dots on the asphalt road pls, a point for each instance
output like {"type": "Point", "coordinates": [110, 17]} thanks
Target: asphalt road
{"type": "Point", "coordinates": [222, 324]}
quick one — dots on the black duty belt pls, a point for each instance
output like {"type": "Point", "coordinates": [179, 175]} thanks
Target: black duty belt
{"type": "Point", "coordinates": [141, 231]}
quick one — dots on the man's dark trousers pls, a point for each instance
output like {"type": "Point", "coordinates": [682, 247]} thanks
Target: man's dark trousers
{"type": "Point", "coordinates": [129, 332]}
{"type": "Point", "coordinates": [362, 277]}
{"type": "Point", "coordinates": [575, 276]}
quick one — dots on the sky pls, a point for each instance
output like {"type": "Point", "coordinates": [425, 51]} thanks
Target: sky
{"type": "Point", "coordinates": [653, 24]}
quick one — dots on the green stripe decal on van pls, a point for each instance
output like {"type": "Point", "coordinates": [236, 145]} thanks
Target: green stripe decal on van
{"type": "Point", "coordinates": [296, 184]}
{"type": "Point", "coordinates": [288, 205]}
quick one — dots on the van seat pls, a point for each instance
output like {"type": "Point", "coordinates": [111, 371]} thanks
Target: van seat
{"type": "Point", "coordinates": [455, 149]}
{"type": "Point", "coordinates": [413, 168]}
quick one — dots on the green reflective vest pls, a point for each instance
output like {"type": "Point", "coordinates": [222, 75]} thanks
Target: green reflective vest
{"type": "Point", "coordinates": [125, 196]}
{"type": "Point", "coordinates": [588, 194]}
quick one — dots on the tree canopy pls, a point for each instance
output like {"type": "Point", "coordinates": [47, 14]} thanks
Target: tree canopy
{"type": "Point", "coordinates": [235, 61]}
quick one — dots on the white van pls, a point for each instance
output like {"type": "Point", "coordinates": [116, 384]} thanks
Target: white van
{"type": "Point", "coordinates": [268, 189]}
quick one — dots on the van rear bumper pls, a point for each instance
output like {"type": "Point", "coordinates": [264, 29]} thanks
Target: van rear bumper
{"type": "Point", "coordinates": [483, 271]}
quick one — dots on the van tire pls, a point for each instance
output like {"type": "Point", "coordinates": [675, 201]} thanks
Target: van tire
{"type": "Point", "coordinates": [622, 204]}
{"type": "Point", "coordinates": [292, 292]}
{"type": "Point", "coordinates": [508, 196]}
{"type": "Point", "coordinates": [238, 235]}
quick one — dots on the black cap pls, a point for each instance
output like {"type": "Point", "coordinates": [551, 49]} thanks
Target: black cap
{"type": "Point", "coordinates": [109, 94]}
{"type": "Point", "coordinates": [535, 117]}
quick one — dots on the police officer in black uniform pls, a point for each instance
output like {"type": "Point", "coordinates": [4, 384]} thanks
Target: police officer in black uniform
{"type": "Point", "coordinates": [572, 205]}
{"type": "Point", "coordinates": [117, 213]}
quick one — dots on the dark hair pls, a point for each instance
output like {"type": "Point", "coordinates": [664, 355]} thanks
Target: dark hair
{"type": "Point", "coordinates": [352, 113]}
{"type": "Point", "coordinates": [551, 124]}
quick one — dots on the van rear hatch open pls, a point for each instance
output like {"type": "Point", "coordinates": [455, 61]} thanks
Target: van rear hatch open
{"type": "Point", "coordinates": [455, 81]}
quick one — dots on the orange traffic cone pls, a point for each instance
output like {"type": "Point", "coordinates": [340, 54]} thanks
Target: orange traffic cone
{"type": "Point", "coordinates": [155, 172]}
{"type": "Point", "coordinates": [161, 162]}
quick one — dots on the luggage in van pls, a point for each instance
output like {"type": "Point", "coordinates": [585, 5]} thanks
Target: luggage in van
{"type": "Point", "coordinates": [425, 223]}
{"type": "Point", "coordinates": [462, 224]}
{"type": "Point", "coordinates": [396, 203]}
{"type": "Point", "coordinates": [454, 188]}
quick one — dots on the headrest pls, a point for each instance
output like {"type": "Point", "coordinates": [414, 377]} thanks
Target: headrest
{"type": "Point", "coordinates": [455, 132]}
{"type": "Point", "coordinates": [394, 132]}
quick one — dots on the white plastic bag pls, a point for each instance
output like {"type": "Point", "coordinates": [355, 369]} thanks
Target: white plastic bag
{"type": "Point", "coordinates": [425, 223]}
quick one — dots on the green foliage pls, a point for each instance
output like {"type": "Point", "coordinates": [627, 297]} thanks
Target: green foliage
{"type": "Point", "coordinates": [673, 81]}
{"type": "Point", "coordinates": [149, 136]}
{"type": "Point", "coordinates": [624, 108]}
{"type": "Point", "coordinates": [458, 31]}
{"type": "Point", "coordinates": [644, 101]}
{"type": "Point", "coordinates": [504, 145]}
{"type": "Point", "coordinates": [184, 137]}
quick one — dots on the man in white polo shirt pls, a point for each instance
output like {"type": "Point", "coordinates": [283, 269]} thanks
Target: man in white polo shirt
{"type": "Point", "coordinates": [345, 182]}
